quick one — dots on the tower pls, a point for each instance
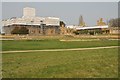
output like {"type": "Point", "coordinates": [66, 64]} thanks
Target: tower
{"type": "Point", "coordinates": [81, 21]}
{"type": "Point", "coordinates": [100, 22]}
{"type": "Point", "coordinates": [28, 12]}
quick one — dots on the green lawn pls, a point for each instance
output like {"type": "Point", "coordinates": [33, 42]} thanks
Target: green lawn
{"type": "Point", "coordinates": [100, 63]}
{"type": "Point", "coordinates": [72, 64]}
{"type": "Point", "coordinates": [53, 44]}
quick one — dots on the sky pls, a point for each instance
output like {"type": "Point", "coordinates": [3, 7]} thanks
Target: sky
{"type": "Point", "coordinates": [60, 0]}
{"type": "Point", "coordinates": [69, 12]}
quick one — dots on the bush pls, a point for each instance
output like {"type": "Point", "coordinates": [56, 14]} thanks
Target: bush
{"type": "Point", "coordinates": [20, 30]}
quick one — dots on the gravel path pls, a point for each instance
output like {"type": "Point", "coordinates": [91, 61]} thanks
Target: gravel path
{"type": "Point", "coordinates": [51, 50]}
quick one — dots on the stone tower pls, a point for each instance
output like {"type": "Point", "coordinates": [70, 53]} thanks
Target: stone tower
{"type": "Point", "coordinates": [81, 21]}
{"type": "Point", "coordinates": [100, 22]}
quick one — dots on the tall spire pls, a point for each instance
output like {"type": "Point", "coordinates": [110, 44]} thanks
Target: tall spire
{"type": "Point", "coordinates": [81, 21]}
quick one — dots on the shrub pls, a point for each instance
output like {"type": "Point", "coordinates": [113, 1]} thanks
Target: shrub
{"type": "Point", "coordinates": [20, 30]}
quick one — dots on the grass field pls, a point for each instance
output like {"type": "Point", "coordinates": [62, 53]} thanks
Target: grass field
{"type": "Point", "coordinates": [101, 63]}
{"type": "Point", "coordinates": [53, 44]}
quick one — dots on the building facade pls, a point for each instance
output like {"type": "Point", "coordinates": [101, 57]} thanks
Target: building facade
{"type": "Point", "coordinates": [91, 29]}
{"type": "Point", "coordinates": [114, 30]}
{"type": "Point", "coordinates": [36, 25]}
{"type": "Point", "coordinates": [100, 28]}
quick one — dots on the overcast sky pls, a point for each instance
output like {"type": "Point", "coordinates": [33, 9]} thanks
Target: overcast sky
{"type": "Point", "coordinates": [69, 12]}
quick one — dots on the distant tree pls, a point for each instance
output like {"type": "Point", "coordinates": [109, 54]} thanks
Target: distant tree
{"type": "Point", "coordinates": [20, 30]}
{"type": "Point", "coordinates": [15, 30]}
{"type": "Point", "coordinates": [114, 22]}
{"type": "Point", "coordinates": [23, 30]}
{"type": "Point", "coordinates": [76, 32]}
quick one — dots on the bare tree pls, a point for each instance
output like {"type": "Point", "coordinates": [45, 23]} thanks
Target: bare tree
{"type": "Point", "coordinates": [114, 22]}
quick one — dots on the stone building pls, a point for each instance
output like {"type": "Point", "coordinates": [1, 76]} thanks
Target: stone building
{"type": "Point", "coordinates": [114, 30]}
{"type": "Point", "coordinates": [100, 22]}
{"type": "Point", "coordinates": [36, 25]}
{"type": "Point", "coordinates": [81, 22]}
{"type": "Point", "coordinates": [100, 28]}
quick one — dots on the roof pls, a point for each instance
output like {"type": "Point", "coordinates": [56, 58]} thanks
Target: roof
{"type": "Point", "coordinates": [32, 21]}
{"type": "Point", "coordinates": [89, 27]}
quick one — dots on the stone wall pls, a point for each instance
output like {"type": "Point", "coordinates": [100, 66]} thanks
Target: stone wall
{"type": "Point", "coordinates": [35, 30]}
{"type": "Point", "coordinates": [114, 30]}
